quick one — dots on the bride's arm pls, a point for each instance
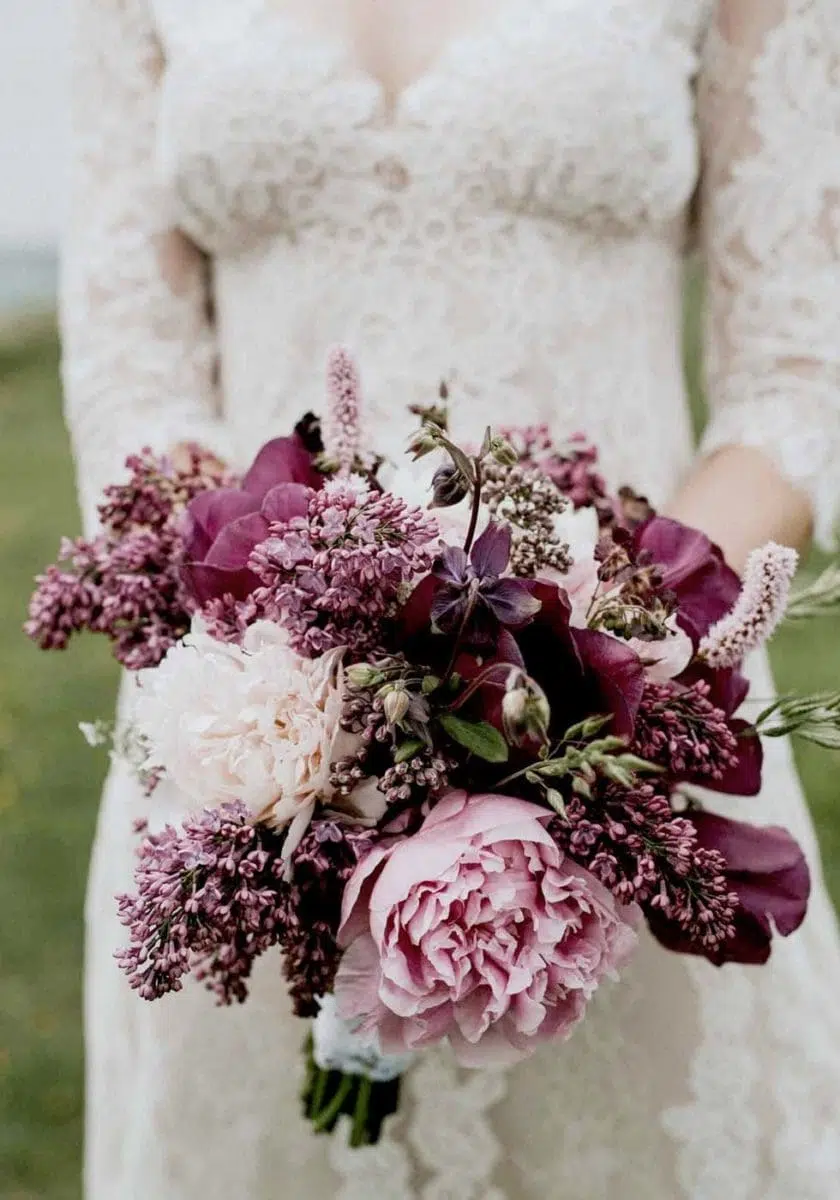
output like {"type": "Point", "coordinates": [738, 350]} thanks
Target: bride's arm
{"type": "Point", "coordinates": [770, 119]}
{"type": "Point", "coordinates": [138, 344]}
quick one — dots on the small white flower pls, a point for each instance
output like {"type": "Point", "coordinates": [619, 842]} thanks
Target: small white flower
{"type": "Point", "coordinates": [668, 657]}
{"type": "Point", "coordinates": [256, 723]}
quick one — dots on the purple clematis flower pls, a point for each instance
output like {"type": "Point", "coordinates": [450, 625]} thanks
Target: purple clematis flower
{"type": "Point", "coordinates": [767, 870]}
{"type": "Point", "coordinates": [472, 593]}
{"type": "Point", "coordinates": [222, 527]}
{"type": "Point", "coordinates": [693, 568]}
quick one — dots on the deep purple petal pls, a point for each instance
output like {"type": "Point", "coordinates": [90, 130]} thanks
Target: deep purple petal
{"type": "Point", "coordinates": [750, 945]}
{"type": "Point", "coordinates": [511, 602]}
{"type": "Point", "coordinates": [208, 514]}
{"type": "Point", "coordinates": [285, 502]}
{"type": "Point", "coordinates": [618, 673]}
{"type": "Point", "coordinates": [693, 568]}
{"type": "Point", "coordinates": [490, 554]}
{"type": "Point", "coordinates": [416, 614]}
{"type": "Point", "coordinates": [767, 870]}
{"type": "Point", "coordinates": [452, 566]}
{"type": "Point", "coordinates": [204, 583]}
{"type": "Point", "coordinates": [743, 779]}
{"type": "Point", "coordinates": [283, 460]}
{"type": "Point", "coordinates": [448, 608]}
{"type": "Point", "coordinates": [235, 544]}
{"type": "Point", "coordinates": [766, 867]}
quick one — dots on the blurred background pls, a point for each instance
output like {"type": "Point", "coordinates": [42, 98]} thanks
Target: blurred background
{"type": "Point", "coordinates": [49, 778]}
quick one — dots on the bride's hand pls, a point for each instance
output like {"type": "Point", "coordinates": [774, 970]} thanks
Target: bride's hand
{"type": "Point", "coordinates": [740, 500]}
{"type": "Point", "coordinates": [181, 455]}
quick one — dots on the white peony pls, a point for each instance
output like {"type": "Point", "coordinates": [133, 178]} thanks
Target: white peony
{"type": "Point", "coordinates": [256, 722]}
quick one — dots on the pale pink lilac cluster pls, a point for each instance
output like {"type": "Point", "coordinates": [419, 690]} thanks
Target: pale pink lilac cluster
{"type": "Point", "coordinates": [332, 578]}
{"type": "Point", "coordinates": [572, 467]}
{"type": "Point", "coordinates": [759, 611]}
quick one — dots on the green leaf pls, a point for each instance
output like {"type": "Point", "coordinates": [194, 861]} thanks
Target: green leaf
{"type": "Point", "coordinates": [555, 799]}
{"type": "Point", "coordinates": [478, 737]}
{"type": "Point", "coordinates": [585, 730]}
{"type": "Point", "coordinates": [407, 750]}
{"type": "Point", "coordinates": [430, 684]}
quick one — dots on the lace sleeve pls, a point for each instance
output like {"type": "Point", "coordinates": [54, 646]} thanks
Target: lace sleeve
{"type": "Point", "coordinates": [770, 118]}
{"type": "Point", "coordinates": [138, 345]}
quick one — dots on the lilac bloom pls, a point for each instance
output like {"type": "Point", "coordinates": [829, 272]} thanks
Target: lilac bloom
{"type": "Point", "coordinates": [472, 590]}
{"type": "Point", "coordinates": [767, 871]}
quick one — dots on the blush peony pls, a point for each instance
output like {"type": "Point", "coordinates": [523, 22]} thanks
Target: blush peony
{"type": "Point", "coordinates": [255, 723]}
{"type": "Point", "coordinates": [477, 929]}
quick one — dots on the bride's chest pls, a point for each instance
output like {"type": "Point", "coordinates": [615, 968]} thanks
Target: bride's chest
{"type": "Point", "coordinates": [274, 116]}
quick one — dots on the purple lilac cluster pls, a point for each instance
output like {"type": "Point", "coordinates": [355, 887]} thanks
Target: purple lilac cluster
{"type": "Point", "coordinates": [332, 577]}
{"type": "Point", "coordinates": [634, 843]}
{"type": "Point", "coordinates": [125, 583]}
{"type": "Point", "coordinates": [215, 895]}
{"type": "Point", "coordinates": [679, 729]}
{"type": "Point", "coordinates": [311, 909]}
{"type": "Point", "coordinates": [572, 467]}
{"type": "Point", "coordinates": [209, 898]}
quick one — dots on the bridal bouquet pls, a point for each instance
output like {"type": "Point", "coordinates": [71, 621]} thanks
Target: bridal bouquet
{"type": "Point", "coordinates": [443, 755]}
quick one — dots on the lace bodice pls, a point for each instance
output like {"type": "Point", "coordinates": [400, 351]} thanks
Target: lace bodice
{"type": "Point", "coordinates": [516, 221]}
{"type": "Point", "coordinates": [532, 185]}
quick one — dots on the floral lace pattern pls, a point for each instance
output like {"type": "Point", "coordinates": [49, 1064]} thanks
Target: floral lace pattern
{"type": "Point", "coordinates": [516, 224]}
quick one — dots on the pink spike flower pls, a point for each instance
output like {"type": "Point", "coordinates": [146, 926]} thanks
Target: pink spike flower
{"type": "Point", "coordinates": [758, 610]}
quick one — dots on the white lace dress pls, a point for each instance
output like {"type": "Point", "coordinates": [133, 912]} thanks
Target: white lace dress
{"type": "Point", "coordinates": [516, 222]}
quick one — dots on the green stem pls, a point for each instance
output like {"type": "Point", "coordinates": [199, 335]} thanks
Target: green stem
{"type": "Point", "coordinates": [476, 505]}
{"type": "Point", "coordinates": [325, 1118]}
{"type": "Point", "coordinates": [359, 1135]}
{"type": "Point", "coordinates": [478, 682]}
{"type": "Point", "coordinates": [319, 1089]}
{"type": "Point", "coordinates": [456, 649]}
{"type": "Point", "coordinates": [535, 767]}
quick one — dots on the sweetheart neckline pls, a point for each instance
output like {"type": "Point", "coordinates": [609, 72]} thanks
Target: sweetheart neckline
{"type": "Point", "coordinates": [338, 53]}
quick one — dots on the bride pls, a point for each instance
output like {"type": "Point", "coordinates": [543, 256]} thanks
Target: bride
{"type": "Point", "coordinates": [497, 193]}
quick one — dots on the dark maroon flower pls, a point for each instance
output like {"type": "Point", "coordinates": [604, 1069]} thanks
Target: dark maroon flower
{"type": "Point", "coordinates": [767, 870]}
{"type": "Point", "coordinates": [222, 527]}
{"type": "Point", "coordinates": [693, 568]}
{"type": "Point", "coordinates": [581, 671]}
{"type": "Point", "coordinates": [472, 589]}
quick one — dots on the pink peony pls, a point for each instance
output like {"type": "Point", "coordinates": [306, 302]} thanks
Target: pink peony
{"type": "Point", "coordinates": [477, 929]}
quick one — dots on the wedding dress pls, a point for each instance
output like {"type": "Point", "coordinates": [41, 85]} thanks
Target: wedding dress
{"type": "Point", "coordinates": [515, 222]}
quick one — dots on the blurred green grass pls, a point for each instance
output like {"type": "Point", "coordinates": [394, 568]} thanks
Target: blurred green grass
{"type": "Point", "coordinates": [49, 782]}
